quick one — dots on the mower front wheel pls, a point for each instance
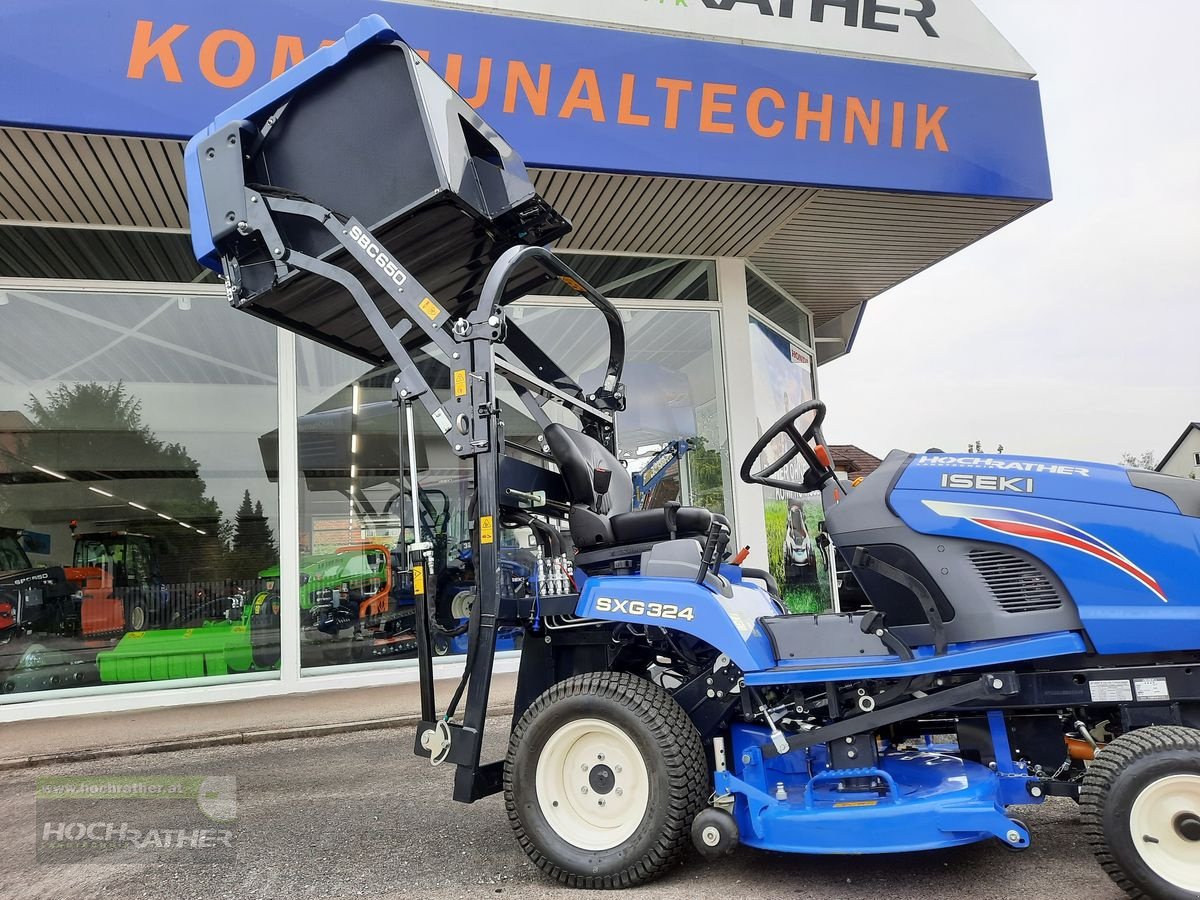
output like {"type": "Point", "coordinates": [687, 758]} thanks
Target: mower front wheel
{"type": "Point", "coordinates": [1141, 812]}
{"type": "Point", "coordinates": [604, 775]}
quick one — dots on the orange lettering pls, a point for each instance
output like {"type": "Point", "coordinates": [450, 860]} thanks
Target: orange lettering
{"type": "Point", "coordinates": [146, 48]}
{"type": "Point", "coordinates": [806, 116]}
{"type": "Point", "coordinates": [538, 95]}
{"type": "Point", "coordinates": [857, 114]}
{"type": "Point", "coordinates": [674, 88]}
{"type": "Point", "coordinates": [208, 58]}
{"type": "Point", "coordinates": [483, 84]}
{"type": "Point", "coordinates": [585, 83]}
{"type": "Point", "coordinates": [898, 125]}
{"type": "Point", "coordinates": [709, 107]}
{"type": "Point", "coordinates": [754, 112]}
{"type": "Point", "coordinates": [625, 114]}
{"type": "Point", "coordinates": [928, 126]}
{"type": "Point", "coordinates": [289, 50]}
{"type": "Point", "coordinates": [424, 54]}
{"type": "Point", "coordinates": [327, 43]}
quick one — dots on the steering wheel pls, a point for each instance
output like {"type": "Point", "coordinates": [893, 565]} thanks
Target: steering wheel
{"type": "Point", "coordinates": [819, 470]}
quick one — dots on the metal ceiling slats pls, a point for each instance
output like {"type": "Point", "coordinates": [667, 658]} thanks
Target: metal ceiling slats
{"type": "Point", "coordinates": [154, 202]}
{"type": "Point", "coordinates": [59, 150]}
{"type": "Point", "coordinates": [830, 249]}
{"type": "Point", "coordinates": [668, 195]}
{"type": "Point", "coordinates": [697, 206]}
{"type": "Point", "coordinates": [26, 189]}
{"type": "Point", "coordinates": [592, 192]}
{"type": "Point", "coordinates": [133, 200]}
{"type": "Point", "coordinates": [167, 157]}
{"type": "Point", "coordinates": [56, 200]}
{"type": "Point", "coordinates": [28, 255]}
{"type": "Point", "coordinates": [744, 222]}
{"type": "Point", "coordinates": [12, 204]}
{"type": "Point", "coordinates": [87, 170]}
{"type": "Point", "coordinates": [603, 230]}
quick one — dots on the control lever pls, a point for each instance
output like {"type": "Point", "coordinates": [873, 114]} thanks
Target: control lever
{"type": "Point", "coordinates": [714, 546]}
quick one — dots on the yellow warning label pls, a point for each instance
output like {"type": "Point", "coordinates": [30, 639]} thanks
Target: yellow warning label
{"type": "Point", "coordinates": [460, 382]}
{"type": "Point", "coordinates": [846, 803]}
{"type": "Point", "coordinates": [487, 530]}
{"type": "Point", "coordinates": [418, 580]}
{"type": "Point", "coordinates": [572, 283]}
{"type": "Point", "coordinates": [430, 308]}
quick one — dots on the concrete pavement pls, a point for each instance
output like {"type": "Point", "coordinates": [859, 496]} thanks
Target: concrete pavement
{"type": "Point", "coordinates": [357, 815]}
{"type": "Point", "coordinates": [44, 741]}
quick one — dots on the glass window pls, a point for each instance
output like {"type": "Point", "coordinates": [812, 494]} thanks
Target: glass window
{"type": "Point", "coordinates": [355, 508]}
{"type": "Point", "coordinates": [356, 597]}
{"type": "Point", "coordinates": [640, 277]}
{"type": "Point", "coordinates": [777, 307]}
{"type": "Point", "coordinates": [673, 376]}
{"type": "Point", "coordinates": [132, 468]}
{"type": "Point", "coordinates": [783, 379]}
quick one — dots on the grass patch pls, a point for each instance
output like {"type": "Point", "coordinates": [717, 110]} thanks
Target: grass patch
{"type": "Point", "coordinates": [799, 598]}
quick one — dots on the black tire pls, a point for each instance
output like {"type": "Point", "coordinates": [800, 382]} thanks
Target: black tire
{"type": "Point", "coordinates": [1121, 772]}
{"type": "Point", "coordinates": [676, 790]}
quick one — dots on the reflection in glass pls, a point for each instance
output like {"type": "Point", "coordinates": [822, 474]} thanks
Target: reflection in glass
{"type": "Point", "coordinates": [783, 379]}
{"type": "Point", "coordinates": [676, 393]}
{"type": "Point", "coordinates": [135, 510]}
{"type": "Point", "coordinates": [354, 491]}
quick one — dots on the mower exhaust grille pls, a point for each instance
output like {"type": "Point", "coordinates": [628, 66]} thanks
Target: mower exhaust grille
{"type": "Point", "coordinates": [1017, 585]}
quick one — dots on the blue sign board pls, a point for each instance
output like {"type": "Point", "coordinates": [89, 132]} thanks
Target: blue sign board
{"type": "Point", "coordinates": [566, 96]}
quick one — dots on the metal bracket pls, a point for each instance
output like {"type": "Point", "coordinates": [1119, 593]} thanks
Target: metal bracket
{"type": "Point", "coordinates": [994, 686]}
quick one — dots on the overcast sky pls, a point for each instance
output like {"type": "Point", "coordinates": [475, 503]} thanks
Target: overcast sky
{"type": "Point", "coordinates": [1074, 331]}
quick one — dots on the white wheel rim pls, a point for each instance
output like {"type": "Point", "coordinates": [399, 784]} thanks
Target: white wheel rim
{"type": "Point", "coordinates": [1152, 825]}
{"type": "Point", "coordinates": [592, 784]}
{"type": "Point", "coordinates": [460, 606]}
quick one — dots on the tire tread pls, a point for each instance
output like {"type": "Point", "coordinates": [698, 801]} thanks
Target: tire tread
{"type": "Point", "coordinates": [682, 755]}
{"type": "Point", "coordinates": [1103, 774]}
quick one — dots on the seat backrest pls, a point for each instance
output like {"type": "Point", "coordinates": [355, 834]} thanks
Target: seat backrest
{"type": "Point", "coordinates": [578, 456]}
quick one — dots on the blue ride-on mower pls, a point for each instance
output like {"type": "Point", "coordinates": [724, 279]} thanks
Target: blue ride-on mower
{"type": "Point", "coordinates": [1033, 627]}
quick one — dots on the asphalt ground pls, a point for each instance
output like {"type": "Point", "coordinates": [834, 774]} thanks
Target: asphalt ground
{"type": "Point", "coordinates": [357, 815]}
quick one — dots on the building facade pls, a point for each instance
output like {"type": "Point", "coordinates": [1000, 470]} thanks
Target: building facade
{"type": "Point", "coordinates": [207, 502]}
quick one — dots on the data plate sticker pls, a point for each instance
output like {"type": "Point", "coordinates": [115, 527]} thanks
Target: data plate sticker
{"type": "Point", "coordinates": [1111, 691]}
{"type": "Point", "coordinates": [1151, 689]}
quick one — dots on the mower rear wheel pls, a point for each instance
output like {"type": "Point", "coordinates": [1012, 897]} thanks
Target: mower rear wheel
{"type": "Point", "coordinates": [604, 775]}
{"type": "Point", "coordinates": [1141, 812]}
{"type": "Point", "coordinates": [136, 616]}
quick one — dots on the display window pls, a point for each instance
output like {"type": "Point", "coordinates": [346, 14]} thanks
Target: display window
{"type": "Point", "coordinates": [356, 518]}
{"type": "Point", "coordinates": [138, 518]}
{"type": "Point", "coordinates": [797, 551]}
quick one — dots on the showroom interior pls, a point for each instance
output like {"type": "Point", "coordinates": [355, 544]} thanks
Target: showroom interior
{"type": "Point", "coordinates": [225, 496]}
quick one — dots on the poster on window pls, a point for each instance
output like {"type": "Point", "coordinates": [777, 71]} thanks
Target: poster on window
{"type": "Point", "coordinates": [783, 379]}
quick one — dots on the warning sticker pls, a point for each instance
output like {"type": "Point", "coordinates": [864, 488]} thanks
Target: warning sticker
{"type": "Point", "coordinates": [1110, 691]}
{"type": "Point", "coordinates": [418, 580]}
{"type": "Point", "coordinates": [460, 382]}
{"type": "Point", "coordinates": [1151, 689]}
{"type": "Point", "coordinates": [487, 530]}
{"type": "Point", "coordinates": [430, 308]}
{"type": "Point", "coordinates": [848, 803]}
{"type": "Point", "coordinates": [572, 284]}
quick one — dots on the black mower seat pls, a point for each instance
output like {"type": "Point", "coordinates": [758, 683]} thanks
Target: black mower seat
{"type": "Point", "coordinates": [603, 520]}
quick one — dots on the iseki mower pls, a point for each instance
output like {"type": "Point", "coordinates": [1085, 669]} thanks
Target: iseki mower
{"type": "Point", "coordinates": [1033, 627]}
